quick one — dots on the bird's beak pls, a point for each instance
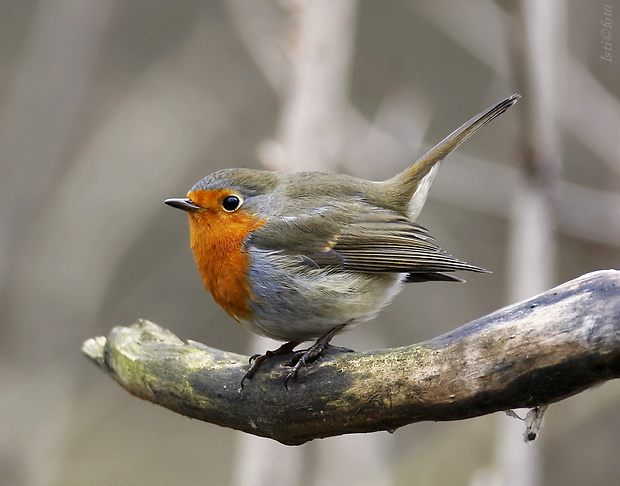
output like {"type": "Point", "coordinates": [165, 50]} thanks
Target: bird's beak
{"type": "Point", "coordinates": [183, 203]}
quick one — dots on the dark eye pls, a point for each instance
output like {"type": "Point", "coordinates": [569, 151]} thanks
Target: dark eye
{"type": "Point", "coordinates": [231, 203]}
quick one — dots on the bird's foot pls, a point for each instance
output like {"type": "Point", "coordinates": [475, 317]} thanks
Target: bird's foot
{"type": "Point", "coordinates": [257, 359]}
{"type": "Point", "coordinates": [302, 358]}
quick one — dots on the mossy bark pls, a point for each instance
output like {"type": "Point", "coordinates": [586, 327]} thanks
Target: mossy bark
{"type": "Point", "coordinates": [529, 354]}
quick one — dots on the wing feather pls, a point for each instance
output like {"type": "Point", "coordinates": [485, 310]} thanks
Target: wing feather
{"type": "Point", "coordinates": [373, 240]}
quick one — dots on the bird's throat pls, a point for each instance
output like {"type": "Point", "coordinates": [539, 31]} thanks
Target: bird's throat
{"type": "Point", "coordinates": [217, 243]}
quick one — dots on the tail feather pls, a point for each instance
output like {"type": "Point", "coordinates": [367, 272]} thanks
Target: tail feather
{"type": "Point", "coordinates": [416, 180]}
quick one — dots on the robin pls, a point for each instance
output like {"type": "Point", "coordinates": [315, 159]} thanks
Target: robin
{"type": "Point", "coordinates": [303, 256]}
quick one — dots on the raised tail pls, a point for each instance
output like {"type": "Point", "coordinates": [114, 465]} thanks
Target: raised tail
{"type": "Point", "coordinates": [415, 181]}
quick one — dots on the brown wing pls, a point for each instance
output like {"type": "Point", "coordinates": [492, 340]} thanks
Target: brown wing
{"type": "Point", "coordinates": [367, 239]}
{"type": "Point", "coordinates": [381, 240]}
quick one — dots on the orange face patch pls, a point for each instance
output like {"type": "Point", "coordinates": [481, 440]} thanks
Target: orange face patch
{"type": "Point", "coordinates": [216, 238]}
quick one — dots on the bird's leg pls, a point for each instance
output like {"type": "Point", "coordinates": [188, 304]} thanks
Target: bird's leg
{"type": "Point", "coordinates": [257, 359]}
{"type": "Point", "coordinates": [305, 356]}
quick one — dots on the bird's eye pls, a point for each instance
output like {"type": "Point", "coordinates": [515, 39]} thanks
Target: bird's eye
{"type": "Point", "coordinates": [231, 203]}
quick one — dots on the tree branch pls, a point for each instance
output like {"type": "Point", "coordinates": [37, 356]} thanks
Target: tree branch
{"type": "Point", "coordinates": [532, 353]}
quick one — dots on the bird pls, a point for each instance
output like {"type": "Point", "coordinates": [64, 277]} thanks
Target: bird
{"type": "Point", "coordinates": [303, 256]}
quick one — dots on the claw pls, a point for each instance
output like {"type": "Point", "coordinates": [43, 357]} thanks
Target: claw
{"type": "Point", "coordinates": [291, 374]}
{"type": "Point", "coordinates": [302, 358]}
{"type": "Point", "coordinates": [257, 359]}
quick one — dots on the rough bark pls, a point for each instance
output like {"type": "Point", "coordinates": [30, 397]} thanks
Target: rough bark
{"type": "Point", "coordinates": [529, 354]}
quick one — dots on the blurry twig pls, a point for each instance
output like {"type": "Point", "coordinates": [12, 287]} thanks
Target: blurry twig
{"type": "Point", "coordinates": [311, 120]}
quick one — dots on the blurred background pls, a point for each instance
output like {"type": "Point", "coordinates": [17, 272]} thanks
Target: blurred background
{"type": "Point", "coordinates": [108, 107]}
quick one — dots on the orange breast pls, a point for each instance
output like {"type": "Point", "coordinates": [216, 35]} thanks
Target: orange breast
{"type": "Point", "coordinates": [216, 238]}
